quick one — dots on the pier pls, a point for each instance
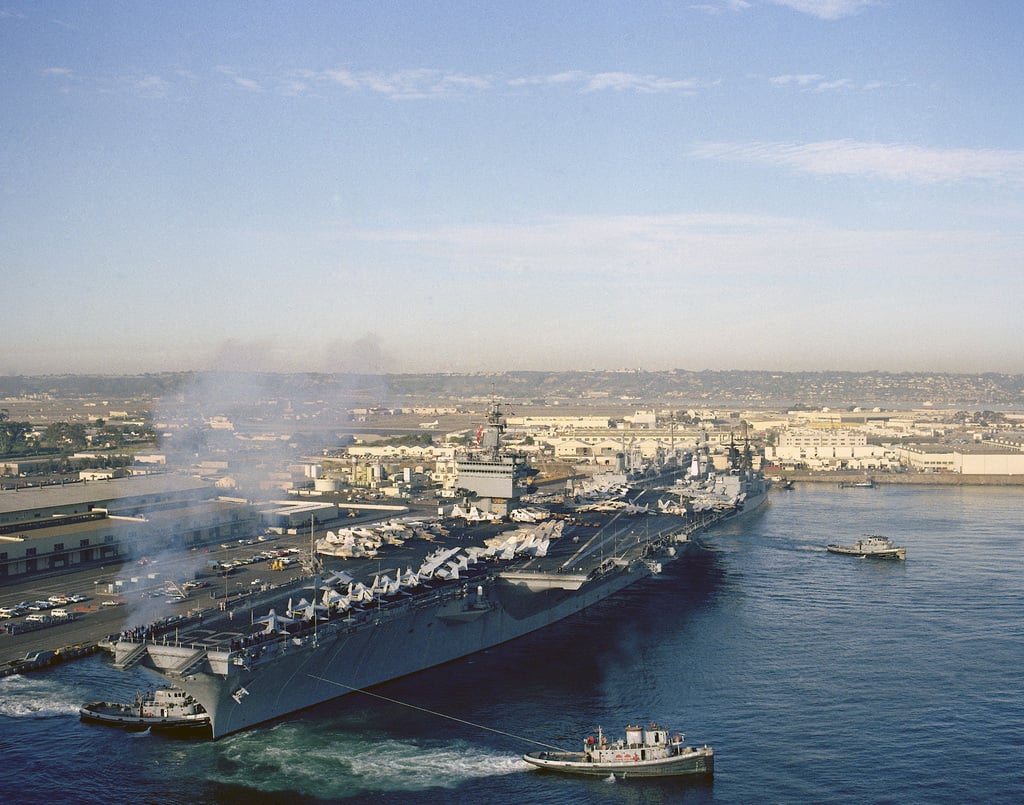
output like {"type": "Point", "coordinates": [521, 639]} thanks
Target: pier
{"type": "Point", "coordinates": [213, 610]}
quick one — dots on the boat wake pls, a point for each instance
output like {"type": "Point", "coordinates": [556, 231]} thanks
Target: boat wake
{"type": "Point", "coordinates": [290, 758]}
{"type": "Point", "coordinates": [28, 696]}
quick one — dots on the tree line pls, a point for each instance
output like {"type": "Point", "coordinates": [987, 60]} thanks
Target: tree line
{"type": "Point", "coordinates": [19, 438]}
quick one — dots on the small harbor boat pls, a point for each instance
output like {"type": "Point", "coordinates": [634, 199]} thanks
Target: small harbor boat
{"type": "Point", "coordinates": [871, 546]}
{"type": "Point", "coordinates": [645, 752]}
{"type": "Point", "coordinates": [167, 710]}
{"type": "Point", "coordinates": [867, 483]}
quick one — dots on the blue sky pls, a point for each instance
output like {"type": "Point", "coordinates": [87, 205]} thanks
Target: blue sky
{"type": "Point", "coordinates": [466, 186]}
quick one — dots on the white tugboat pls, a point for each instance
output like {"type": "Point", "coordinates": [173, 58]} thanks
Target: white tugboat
{"type": "Point", "coordinates": [645, 752]}
{"type": "Point", "coordinates": [167, 710]}
{"type": "Point", "coordinates": [870, 547]}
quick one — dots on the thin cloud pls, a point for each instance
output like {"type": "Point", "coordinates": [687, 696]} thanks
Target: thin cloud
{"type": "Point", "coordinates": [800, 79]}
{"type": "Point", "coordinates": [821, 9]}
{"type": "Point", "coordinates": [839, 83]}
{"type": "Point", "coordinates": [631, 82]}
{"type": "Point", "coordinates": [879, 160]}
{"type": "Point", "coordinates": [295, 87]}
{"type": "Point", "coordinates": [555, 79]}
{"type": "Point", "coordinates": [245, 83]}
{"type": "Point", "coordinates": [625, 249]}
{"type": "Point", "coordinates": [411, 84]}
{"type": "Point", "coordinates": [815, 82]}
{"type": "Point", "coordinates": [722, 6]}
{"type": "Point", "coordinates": [248, 83]}
{"type": "Point", "coordinates": [143, 86]}
{"type": "Point", "coordinates": [406, 84]}
{"type": "Point", "coordinates": [607, 81]}
{"type": "Point", "coordinates": [827, 9]}
{"type": "Point", "coordinates": [151, 86]}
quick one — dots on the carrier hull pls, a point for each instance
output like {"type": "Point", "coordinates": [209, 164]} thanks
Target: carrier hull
{"type": "Point", "coordinates": [240, 691]}
{"type": "Point", "coordinates": [241, 686]}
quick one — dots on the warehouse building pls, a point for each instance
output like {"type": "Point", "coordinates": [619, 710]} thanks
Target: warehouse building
{"type": "Point", "coordinates": [60, 528]}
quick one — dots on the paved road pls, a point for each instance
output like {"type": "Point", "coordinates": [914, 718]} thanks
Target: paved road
{"type": "Point", "coordinates": [239, 591]}
{"type": "Point", "coordinates": [98, 621]}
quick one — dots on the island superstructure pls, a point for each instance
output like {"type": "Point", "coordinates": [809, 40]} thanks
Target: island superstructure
{"type": "Point", "coordinates": [490, 472]}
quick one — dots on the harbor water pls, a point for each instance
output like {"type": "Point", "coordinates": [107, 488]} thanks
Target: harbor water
{"type": "Point", "coordinates": [816, 677]}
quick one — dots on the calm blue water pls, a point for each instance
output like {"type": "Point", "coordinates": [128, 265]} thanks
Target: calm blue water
{"type": "Point", "coordinates": [817, 678]}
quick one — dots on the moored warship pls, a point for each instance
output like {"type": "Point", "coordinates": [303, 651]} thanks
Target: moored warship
{"type": "Point", "coordinates": [462, 599]}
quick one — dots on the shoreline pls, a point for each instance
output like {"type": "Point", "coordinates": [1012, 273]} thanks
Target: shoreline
{"type": "Point", "coordinates": [82, 642]}
{"type": "Point", "coordinates": [907, 478]}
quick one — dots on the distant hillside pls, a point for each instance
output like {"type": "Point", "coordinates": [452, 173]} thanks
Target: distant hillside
{"type": "Point", "coordinates": [677, 388]}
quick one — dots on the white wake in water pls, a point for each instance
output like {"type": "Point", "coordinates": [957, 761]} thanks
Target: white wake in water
{"type": "Point", "coordinates": [36, 696]}
{"type": "Point", "coordinates": [289, 758]}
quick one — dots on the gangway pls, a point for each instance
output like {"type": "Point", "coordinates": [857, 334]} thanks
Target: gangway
{"type": "Point", "coordinates": [131, 658]}
{"type": "Point", "coordinates": [189, 662]}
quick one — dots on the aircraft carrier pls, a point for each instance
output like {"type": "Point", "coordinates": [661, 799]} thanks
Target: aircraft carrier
{"type": "Point", "coordinates": [461, 600]}
{"type": "Point", "coordinates": [555, 562]}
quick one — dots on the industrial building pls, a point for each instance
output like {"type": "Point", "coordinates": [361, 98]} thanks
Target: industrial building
{"type": "Point", "coordinates": [974, 459]}
{"type": "Point", "coordinates": [284, 515]}
{"type": "Point", "coordinates": [832, 448]}
{"type": "Point", "coordinates": [58, 528]}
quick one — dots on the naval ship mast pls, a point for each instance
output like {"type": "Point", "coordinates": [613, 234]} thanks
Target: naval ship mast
{"type": "Point", "coordinates": [312, 566]}
{"type": "Point", "coordinates": [488, 470]}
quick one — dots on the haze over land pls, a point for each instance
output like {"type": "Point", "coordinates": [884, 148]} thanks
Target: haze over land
{"type": "Point", "coordinates": [300, 397]}
{"type": "Point", "coordinates": [734, 184]}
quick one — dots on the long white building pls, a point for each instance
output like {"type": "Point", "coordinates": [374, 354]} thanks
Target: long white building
{"type": "Point", "coordinates": [828, 447]}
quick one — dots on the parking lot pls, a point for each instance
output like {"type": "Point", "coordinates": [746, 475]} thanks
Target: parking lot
{"type": "Point", "coordinates": [104, 600]}
{"type": "Point", "coordinates": [227, 579]}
